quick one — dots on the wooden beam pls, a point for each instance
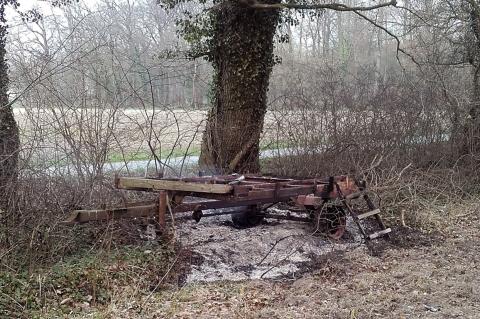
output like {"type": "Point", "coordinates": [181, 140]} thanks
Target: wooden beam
{"type": "Point", "coordinates": [83, 216]}
{"type": "Point", "coordinates": [162, 210]}
{"type": "Point", "coordinates": [135, 183]}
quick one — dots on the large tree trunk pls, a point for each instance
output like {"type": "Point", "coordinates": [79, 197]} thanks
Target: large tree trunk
{"type": "Point", "coordinates": [9, 139]}
{"type": "Point", "coordinates": [473, 125]}
{"type": "Point", "coordinates": [471, 143]}
{"type": "Point", "coordinates": [242, 59]}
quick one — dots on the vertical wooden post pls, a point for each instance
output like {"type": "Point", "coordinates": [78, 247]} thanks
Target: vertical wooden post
{"type": "Point", "coordinates": [162, 209]}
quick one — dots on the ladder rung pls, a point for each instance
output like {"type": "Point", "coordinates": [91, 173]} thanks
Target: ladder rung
{"type": "Point", "coordinates": [354, 195]}
{"type": "Point", "coordinates": [379, 233]}
{"type": "Point", "coordinates": [370, 213]}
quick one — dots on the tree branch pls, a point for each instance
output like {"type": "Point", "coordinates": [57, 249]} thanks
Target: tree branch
{"type": "Point", "coordinates": [399, 49]}
{"type": "Point", "coordinates": [331, 6]}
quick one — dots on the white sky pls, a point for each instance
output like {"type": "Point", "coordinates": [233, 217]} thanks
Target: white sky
{"type": "Point", "coordinates": [43, 6]}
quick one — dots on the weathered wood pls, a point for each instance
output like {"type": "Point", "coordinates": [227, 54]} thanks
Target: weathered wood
{"type": "Point", "coordinates": [354, 195]}
{"type": "Point", "coordinates": [379, 233]}
{"type": "Point", "coordinates": [246, 192]}
{"type": "Point", "coordinates": [135, 183]}
{"type": "Point", "coordinates": [83, 216]}
{"type": "Point", "coordinates": [162, 209]}
{"type": "Point", "coordinates": [216, 204]}
{"type": "Point", "coordinates": [368, 214]}
{"type": "Point", "coordinates": [309, 200]}
{"type": "Point", "coordinates": [249, 178]}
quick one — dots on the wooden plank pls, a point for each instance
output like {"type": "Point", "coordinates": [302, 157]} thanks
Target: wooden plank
{"type": "Point", "coordinates": [310, 200]}
{"type": "Point", "coordinates": [354, 195]}
{"type": "Point", "coordinates": [205, 180]}
{"type": "Point", "coordinates": [370, 213]}
{"type": "Point", "coordinates": [83, 216]}
{"type": "Point", "coordinates": [249, 178]}
{"type": "Point", "coordinates": [380, 233]}
{"type": "Point", "coordinates": [162, 209]}
{"type": "Point", "coordinates": [135, 183]}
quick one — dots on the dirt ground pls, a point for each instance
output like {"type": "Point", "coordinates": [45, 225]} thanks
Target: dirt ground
{"type": "Point", "coordinates": [414, 275]}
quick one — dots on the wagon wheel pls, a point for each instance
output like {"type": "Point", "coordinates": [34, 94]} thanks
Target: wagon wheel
{"type": "Point", "coordinates": [329, 220]}
{"type": "Point", "coordinates": [248, 216]}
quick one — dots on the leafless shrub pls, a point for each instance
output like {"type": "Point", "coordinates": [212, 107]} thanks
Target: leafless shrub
{"type": "Point", "coordinates": [401, 134]}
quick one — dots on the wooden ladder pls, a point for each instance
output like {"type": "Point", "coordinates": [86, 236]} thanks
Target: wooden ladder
{"type": "Point", "coordinates": [374, 211]}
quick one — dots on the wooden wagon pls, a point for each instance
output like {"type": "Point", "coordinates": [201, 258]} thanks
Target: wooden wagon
{"type": "Point", "coordinates": [324, 203]}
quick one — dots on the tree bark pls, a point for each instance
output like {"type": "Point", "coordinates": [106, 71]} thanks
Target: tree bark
{"type": "Point", "coordinates": [473, 125]}
{"type": "Point", "coordinates": [471, 143]}
{"type": "Point", "coordinates": [242, 57]}
{"type": "Point", "coordinates": [9, 136]}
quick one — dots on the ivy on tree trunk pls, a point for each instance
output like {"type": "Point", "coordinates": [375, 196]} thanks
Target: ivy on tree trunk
{"type": "Point", "coordinates": [242, 57]}
{"type": "Point", "coordinates": [9, 135]}
{"type": "Point", "coordinates": [471, 144]}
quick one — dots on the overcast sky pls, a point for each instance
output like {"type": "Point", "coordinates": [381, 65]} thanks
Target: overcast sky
{"type": "Point", "coordinates": [43, 6]}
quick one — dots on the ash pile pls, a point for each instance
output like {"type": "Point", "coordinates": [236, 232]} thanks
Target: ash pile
{"type": "Point", "coordinates": [275, 249]}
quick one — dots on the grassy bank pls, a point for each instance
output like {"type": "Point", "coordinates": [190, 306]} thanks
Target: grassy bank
{"type": "Point", "coordinates": [88, 279]}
